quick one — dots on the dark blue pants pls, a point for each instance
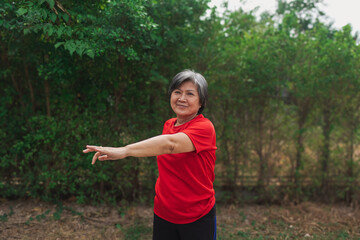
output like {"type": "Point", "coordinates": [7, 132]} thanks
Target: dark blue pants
{"type": "Point", "coordinates": [202, 229]}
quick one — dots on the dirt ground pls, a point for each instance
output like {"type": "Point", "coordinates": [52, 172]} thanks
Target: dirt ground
{"type": "Point", "coordinates": [38, 220]}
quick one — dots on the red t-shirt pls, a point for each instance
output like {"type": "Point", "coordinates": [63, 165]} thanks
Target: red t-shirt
{"type": "Point", "coordinates": [184, 188]}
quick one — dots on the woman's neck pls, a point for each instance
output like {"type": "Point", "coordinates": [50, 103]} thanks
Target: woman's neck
{"type": "Point", "coordinates": [181, 121]}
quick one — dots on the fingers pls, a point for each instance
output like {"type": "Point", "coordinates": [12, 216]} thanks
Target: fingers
{"type": "Point", "coordinates": [100, 157]}
{"type": "Point", "coordinates": [96, 155]}
{"type": "Point", "coordinates": [90, 148]}
{"type": "Point", "coordinates": [103, 157]}
{"type": "Point", "coordinates": [99, 153]}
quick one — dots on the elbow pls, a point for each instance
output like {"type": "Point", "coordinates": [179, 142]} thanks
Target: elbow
{"type": "Point", "coordinates": [172, 148]}
{"type": "Point", "coordinates": [170, 145]}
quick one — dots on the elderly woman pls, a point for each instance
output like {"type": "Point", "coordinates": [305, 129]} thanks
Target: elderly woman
{"type": "Point", "coordinates": [184, 205]}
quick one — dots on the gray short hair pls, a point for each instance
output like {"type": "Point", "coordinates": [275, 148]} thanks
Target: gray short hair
{"type": "Point", "coordinates": [197, 79]}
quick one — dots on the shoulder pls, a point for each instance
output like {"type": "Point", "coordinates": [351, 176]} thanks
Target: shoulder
{"type": "Point", "coordinates": [169, 123]}
{"type": "Point", "coordinates": [201, 123]}
{"type": "Point", "coordinates": [201, 120]}
{"type": "Point", "coordinates": [202, 134]}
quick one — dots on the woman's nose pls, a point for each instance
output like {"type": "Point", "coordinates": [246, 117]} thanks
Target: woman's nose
{"type": "Point", "coordinates": [182, 98]}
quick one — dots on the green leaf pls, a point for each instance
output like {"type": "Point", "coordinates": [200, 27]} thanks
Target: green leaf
{"type": "Point", "coordinates": [59, 44]}
{"type": "Point", "coordinates": [50, 31]}
{"type": "Point", "coordinates": [43, 13]}
{"type": "Point", "coordinates": [71, 46]}
{"type": "Point", "coordinates": [65, 17]}
{"type": "Point", "coordinates": [21, 11]}
{"type": "Point", "coordinates": [60, 31]}
{"type": "Point", "coordinates": [68, 31]}
{"type": "Point", "coordinates": [41, 2]}
{"type": "Point", "coordinates": [80, 49]}
{"type": "Point", "coordinates": [90, 53]}
{"type": "Point", "coordinates": [51, 3]}
{"type": "Point", "coordinates": [53, 17]}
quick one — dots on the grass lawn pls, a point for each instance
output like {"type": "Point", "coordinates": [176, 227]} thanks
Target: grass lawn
{"type": "Point", "coordinates": [38, 220]}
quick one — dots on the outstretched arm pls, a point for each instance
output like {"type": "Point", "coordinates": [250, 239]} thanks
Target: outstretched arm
{"type": "Point", "coordinates": [162, 144]}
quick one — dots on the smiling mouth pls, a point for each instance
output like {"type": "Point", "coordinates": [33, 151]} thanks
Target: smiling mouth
{"type": "Point", "coordinates": [180, 105]}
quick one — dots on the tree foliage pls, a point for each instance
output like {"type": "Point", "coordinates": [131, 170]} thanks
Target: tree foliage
{"type": "Point", "coordinates": [284, 96]}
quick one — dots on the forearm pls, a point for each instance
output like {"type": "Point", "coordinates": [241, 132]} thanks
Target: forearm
{"type": "Point", "coordinates": [162, 144]}
{"type": "Point", "coordinates": [154, 146]}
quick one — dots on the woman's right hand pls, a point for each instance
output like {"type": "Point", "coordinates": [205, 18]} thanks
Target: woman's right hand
{"type": "Point", "coordinates": [105, 153]}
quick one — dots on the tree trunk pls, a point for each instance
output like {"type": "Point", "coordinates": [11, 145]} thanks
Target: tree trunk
{"type": "Point", "coordinates": [235, 158]}
{"type": "Point", "coordinates": [15, 83]}
{"type": "Point", "coordinates": [18, 90]}
{"type": "Point", "coordinates": [47, 97]}
{"type": "Point", "coordinates": [227, 174]}
{"type": "Point", "coordinates": [32, 96]}
{"type": "Point", "coordinates": [298, 165]}
{"type": "Point", "coordinates": [259, 150]}
{"type": "Point", "coordinates": [238, 143]}
{"type": "Point", "coordinates": [350, 166]}
{"type": "Point", "coordinates": [325, 154]}
{"type": "Point", "coordinates": [302, 115]}
{"type": "Point", "coordinates": [135, 179]}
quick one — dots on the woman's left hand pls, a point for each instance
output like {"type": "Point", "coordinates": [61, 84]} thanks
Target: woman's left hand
{"type": "Point", "coordinates": [105, 153]}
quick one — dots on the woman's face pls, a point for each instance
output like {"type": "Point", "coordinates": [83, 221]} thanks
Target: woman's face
{"type": "Point", "coordinates": [185, 101]}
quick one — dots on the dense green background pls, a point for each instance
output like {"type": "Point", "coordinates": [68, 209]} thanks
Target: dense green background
{"type": "Point", "coordinates": [284, 97]}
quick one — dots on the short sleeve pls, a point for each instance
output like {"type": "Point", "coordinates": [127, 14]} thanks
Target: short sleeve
{"type": "Point", "coordinates": [202, 134]}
